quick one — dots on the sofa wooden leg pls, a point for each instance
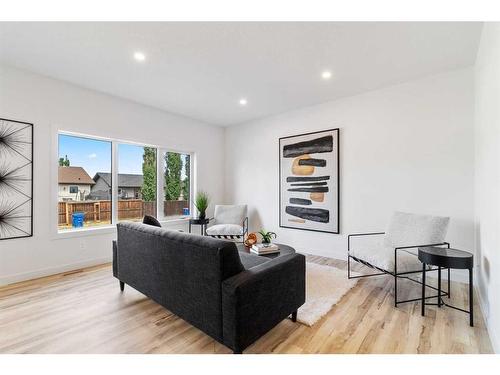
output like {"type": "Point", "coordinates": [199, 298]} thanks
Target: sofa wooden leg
{"type": "Point", "coordinates": [294, 316]}
{"type": "Point", "coordinates": [122, 286]}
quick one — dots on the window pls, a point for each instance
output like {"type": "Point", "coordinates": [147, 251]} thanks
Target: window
{"type": "Point", "coordinates": [84, 179]}
{"type": "Point", "coordinates": [177, 184]}
{"type": "Point", "coordinates": [137, 183]}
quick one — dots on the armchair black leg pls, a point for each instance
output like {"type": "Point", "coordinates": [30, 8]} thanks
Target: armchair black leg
{"type": "Point", "coordinates": [449, 283]}
{"type": "Point", "coordinates": [294, 316]}
{"type": "Point", "coordinates": [395, 291]}
{"type": "Point", "coordinates": [122, 286]}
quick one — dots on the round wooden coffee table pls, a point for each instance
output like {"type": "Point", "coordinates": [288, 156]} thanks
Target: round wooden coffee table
{"type": "Point", "coordinates": [284, 250]}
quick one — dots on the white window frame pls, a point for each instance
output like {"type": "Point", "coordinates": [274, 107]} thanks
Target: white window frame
{"type": "Point", "coordinates": [111, 228]}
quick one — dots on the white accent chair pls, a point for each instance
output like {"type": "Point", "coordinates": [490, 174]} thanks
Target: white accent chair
{"type": "Point", "coordinates": [230, 222]}
{"type": "Point", "coordinates": [394, 252]}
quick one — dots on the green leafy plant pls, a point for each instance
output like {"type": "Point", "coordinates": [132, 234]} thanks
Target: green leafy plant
{"type": "Point", "coordinates": [201, 203]}
{"type": "Point", "coordinates": [267, 236]}
{"type": "Point", "coordinates": [173, 176]}
{"type": "Point", "coordinates": [64, 162]}
{"type": "Point", "coordinates": [185, 182]}
{"type": "Point", "coordinates": [148, 189]}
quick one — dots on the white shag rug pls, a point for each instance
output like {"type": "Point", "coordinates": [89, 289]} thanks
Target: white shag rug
{"type": "Point", "coordinates": [325, 286]}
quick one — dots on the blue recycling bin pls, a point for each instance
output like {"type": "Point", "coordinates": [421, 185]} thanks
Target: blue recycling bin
{"type": "Point", "coordinates": [77, 219]}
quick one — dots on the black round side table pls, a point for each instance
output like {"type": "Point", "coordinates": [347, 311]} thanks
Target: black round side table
{"type": "Point", "coordinates": [450, 259]}
{"type": "Point", "coordinates": [202, 222]}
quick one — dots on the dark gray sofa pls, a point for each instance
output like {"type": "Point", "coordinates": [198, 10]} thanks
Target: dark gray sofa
{"type": "Point", "coordinates": [232, 296]}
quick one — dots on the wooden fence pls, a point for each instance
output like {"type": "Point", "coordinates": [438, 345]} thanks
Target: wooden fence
{"type": "Point", "coordinates": [174, 208]}
{"type": "Point", "coordinates": [100, 211]}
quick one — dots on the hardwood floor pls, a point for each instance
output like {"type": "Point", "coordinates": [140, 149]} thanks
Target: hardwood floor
{"type": "Point", "coordinates": [84, 312]}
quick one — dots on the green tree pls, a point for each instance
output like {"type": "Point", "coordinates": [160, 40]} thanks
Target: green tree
{"type": "Point", "coordinates": [64, 162]}
{"type": "Point", "coordinates": [185, 182]}
{"type": "Point", "coordinates": [173, 176]}
{"type": "Point", "coordinates": [149, 174]}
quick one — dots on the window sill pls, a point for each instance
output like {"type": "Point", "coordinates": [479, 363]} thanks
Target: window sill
{"type": "Point", "coordinates": [108, 229]}
{"type": "Point", "coordinates": [174, 220]}
{"type": "Point", "coordinates": [83, 232]}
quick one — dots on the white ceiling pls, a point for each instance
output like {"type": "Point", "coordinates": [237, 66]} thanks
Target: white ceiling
{"type": "Point", "coordinates": [201, 70]}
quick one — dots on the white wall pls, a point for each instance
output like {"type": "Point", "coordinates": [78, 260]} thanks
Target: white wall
{"type": "Point", "coordinates": [487, 179]}
{"type": "Point", "coordinates": [52, 105]}
{"type": "Point", "coordinates": [408, 147]}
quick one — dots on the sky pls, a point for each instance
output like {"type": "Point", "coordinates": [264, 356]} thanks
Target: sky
{"type": "Point", "coordinates": [95, 155]}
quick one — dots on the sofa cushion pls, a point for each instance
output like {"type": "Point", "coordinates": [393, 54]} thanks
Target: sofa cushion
{"type": "Point", "coordinates": [151, 220]}
{"type": "Point", "coordinates": [225, 230]}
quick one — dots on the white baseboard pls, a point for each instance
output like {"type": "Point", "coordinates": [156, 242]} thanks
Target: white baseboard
{"type": "Point", "coordinates": [495, 341]}
{"type": "Point", "coordinates": [10, 279]}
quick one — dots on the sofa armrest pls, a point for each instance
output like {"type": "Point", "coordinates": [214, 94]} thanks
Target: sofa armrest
{"type": "Point", "coordinates": [257, 299]}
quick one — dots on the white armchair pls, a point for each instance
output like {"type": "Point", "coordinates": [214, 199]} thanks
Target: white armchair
{"type": "Point", "coordinates": [230, 222]}
{"type": "Point", "coordinates": [394, 252]}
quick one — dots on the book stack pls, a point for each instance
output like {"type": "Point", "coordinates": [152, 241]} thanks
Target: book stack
{"type": "Point", "coordinates": [264, 249]}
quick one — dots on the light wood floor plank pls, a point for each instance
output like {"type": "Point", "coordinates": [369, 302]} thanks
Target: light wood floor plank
{"type": "Point", "coordinates": [84, 312]}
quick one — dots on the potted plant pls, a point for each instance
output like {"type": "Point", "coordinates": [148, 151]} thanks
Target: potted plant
{"type": "Point", "coordinates": [201, 203]}
{"type": "Point", "coordinates": [267, 236]}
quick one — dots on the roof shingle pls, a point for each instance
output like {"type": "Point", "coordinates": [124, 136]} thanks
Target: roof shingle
{"type": "Point", "coordinates": [74, 175]}
{"type": "Point", "coordinates": [124, 180]}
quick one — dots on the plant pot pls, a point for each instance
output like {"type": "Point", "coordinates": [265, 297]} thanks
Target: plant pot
{"type": "Point", "coordinates": [202, 216]}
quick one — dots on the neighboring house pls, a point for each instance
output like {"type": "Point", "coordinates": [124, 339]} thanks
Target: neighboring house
{"type": "Point", "coordinates": [129, 186]}
{"type": "Point", "coordinates": [74, 184]}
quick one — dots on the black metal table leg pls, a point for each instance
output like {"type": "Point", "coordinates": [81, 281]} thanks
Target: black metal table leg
{"type": "Point", "coordinates": [395, 290]}
{"type": "Point", "coordinates": [449, 283]}
{"type": "Point", "coordinates": [439, 286]}
{"type": "Point", "coordinates": [423, 289]}
{"type": "Point", "coordinates": [446, 259]}
{"type": "Point", "coordinates": [203, 223]}
{"type": "Point", "coordinates": [471, 298]}
{"type": "Point", "coordinates": [395, 281]}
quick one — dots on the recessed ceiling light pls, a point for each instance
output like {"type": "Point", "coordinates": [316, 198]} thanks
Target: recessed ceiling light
{"type": "Point", "coordinates": [326, 74]}
{"type": "Point", "coordinates": [139, 56]}
{"type": "Point", "coordinates": [243, 101]}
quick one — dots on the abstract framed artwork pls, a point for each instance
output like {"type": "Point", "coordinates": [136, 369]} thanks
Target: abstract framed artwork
{"type": "Point", "coordinates": [309, 181]}
{"type": "Point", "coordinates": [16, 179]}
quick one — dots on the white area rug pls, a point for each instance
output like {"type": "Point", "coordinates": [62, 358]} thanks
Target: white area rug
{"type": "Point", "coordinates": [325, 286]}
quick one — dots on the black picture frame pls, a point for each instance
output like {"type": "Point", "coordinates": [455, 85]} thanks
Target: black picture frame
{"type": "Point", "coordinates": [17, 150]}
{"type": "Point", "coordinates": [337, 147]}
